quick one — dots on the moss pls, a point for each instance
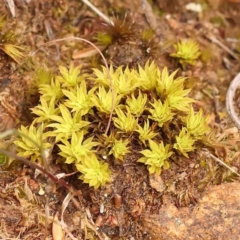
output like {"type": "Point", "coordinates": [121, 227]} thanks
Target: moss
{"type": "Point", "coordinates": [166, 125]}
{"type": "Point", "coordinates": [126, 43]}
{"type": "Point", "coordinates": [186, 51]}
{"type": "Point", "coordinates": [8, 41]}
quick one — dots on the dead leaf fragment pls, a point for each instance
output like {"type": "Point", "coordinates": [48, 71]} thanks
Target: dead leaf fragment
{"type": "Point", "coordinates": [194, 7]}
{"type": "Point", "coordinates": [57, 230]}
{"type": "Point", "coordinates": [138, 208]}
{"type": "Point", "coordinates": [87, 52]}
{"type": "Point", "coordinates": [173, 24]}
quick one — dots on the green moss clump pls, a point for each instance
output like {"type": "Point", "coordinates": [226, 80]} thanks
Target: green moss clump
{"type": "Point", "coordinates": [124, 40]}
{"type": "Point", "coordinates": [119, 30]}
{"type": "Point", "coordinates": [186, 51]}
{"type": "Point", "coordinates": [148, 105]}
{"type": "Point", "coordinates": [8, 42]}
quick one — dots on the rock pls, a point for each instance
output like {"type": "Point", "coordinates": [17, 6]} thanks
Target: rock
{"type": "Point", "coordinates": [216, 217]}
{"type": "Point", "coordinates": [156, 182]}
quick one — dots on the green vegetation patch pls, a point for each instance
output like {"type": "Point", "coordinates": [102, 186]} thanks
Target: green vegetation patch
{"type": "Point", "coordinates": [150, 108]}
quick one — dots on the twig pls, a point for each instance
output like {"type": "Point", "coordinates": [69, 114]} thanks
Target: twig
{"type": "Point", "coordinates": [229, 100]}
{"type": "Point", "coordinates": [215, 40]}
{"type": "Point", "coordinates": [51, 36]}
{"type": "Point", "coordinates": [233, 40]}
{"type": "Point", "coordinates": [10, 4]}
{"type": "Point", "coordinates": [105, 63]}
{"type": "Point", "coordinates": [148, 12]}
{"type": "Point", "coordinates": [36, 166]}
{"type": "Point", "coordinates": [150, 16]}
{"type": "Point", "coordinates": [220, 161]}
{"type": "Point", "coordinates": [99, 13]}
{"type": "Point", "coordinates": [47, 213]}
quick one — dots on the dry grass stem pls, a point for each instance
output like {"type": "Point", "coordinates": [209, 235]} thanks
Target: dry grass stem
{"type": "Point", "coordinates": [99, 13]}
{"type": "Point", "coordinates": [11, 6]}
{"type": "Point", "coordinates": [208, 154]}
{"type": "Point", "coordinates": [221, 45]}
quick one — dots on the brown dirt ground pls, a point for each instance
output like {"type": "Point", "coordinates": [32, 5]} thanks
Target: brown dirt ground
{"type": "Point", "coordinates": [114, 212]}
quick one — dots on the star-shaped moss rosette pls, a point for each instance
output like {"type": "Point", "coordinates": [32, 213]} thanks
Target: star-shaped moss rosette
{"type": "Point", "coordinates": [152, 103]}
{"type": "Point", "coordinates": [94, 172]}
{"type": "Point", "coordinates": [119, 149]}
{"type": "Point", "coordinates": [29, 141]}
{"type": "Point", "coordinates": [187, 51]}
{"type": "Point", "coordinates": [156, 157]}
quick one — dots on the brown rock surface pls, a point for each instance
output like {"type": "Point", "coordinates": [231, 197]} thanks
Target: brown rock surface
{"type": "Point", "coordinates": [215, 217]}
